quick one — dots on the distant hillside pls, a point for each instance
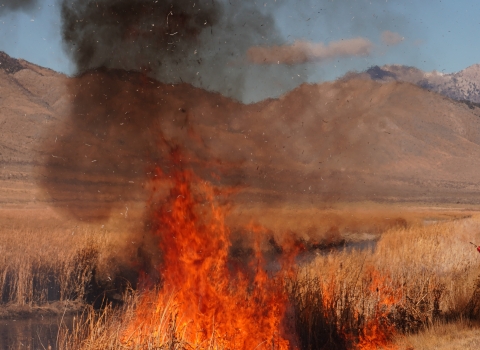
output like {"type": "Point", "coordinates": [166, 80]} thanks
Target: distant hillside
{"type": "Point", "coordinates": [461, 86]}
{"type": "Point", "coordinates": [31, 99]}
{"type": "Point", "coordinates": [347, 140]}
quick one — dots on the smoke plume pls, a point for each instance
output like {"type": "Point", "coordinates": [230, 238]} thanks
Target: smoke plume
{"type": "Point", "coordinates": [132, 101]}
{"type": "Point", "coordinates": [303, 52]}
{"type": "Point", "coordinates": [124, 120]}
{"type": "Point", "coordinates": [172, 41]}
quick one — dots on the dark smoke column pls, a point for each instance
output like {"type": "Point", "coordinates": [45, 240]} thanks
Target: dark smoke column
{"type": "Point", "coordinates": [200, 42]}
{"type": "Point", "coordinates": [137, 35]}
{"type": "Point", "coordinates": [125, 52]}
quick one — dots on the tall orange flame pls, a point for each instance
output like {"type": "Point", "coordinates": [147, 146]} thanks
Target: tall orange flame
{"type": "Point", "coordinates": [212, 303]}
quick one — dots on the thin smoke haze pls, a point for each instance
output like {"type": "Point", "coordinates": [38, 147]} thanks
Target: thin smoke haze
{"type": "Point", "coordinates": [17, 5]}
{"type": "Point", "coordinates": [391, 38]}
{"type": "Point", "coordinates": [303, 51]}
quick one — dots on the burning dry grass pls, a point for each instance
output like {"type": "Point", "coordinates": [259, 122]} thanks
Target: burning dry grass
{"type": "Point", "coordinates": [215, 297]}
{"type": "Point", "coordinates": [415, 278]}
{"type": "Point", "coordinates": [45, 258]}
{"type": "Point", "coordinates": [107, 329]}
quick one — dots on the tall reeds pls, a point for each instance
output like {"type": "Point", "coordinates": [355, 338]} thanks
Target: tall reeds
{"type": "Point", "coordinates": [44, 259]}
{"type": "Point", "coordinates": [413, 278]}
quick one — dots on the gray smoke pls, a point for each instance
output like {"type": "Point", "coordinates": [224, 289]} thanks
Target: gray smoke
{"type": "Point", "coordinates": [203, 43]}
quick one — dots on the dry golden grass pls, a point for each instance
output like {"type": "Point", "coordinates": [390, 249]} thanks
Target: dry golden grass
{"type": "Point", "coordinates": [339, 221]}
{"type": "Point", "coordinates": [45, 258]}
{"type": "Point", "coordinates": [419, 281]}
{"type": "Point", "coordinates": [460, 335]}
{"type": "Point", "coordinates": [416, 280]}
{"type": "Point", "coordinates": [416, 276]}
{"type": "Point", "coordinates": [97, 330]}
{"type": "Point", "coordinates": [107, 329]}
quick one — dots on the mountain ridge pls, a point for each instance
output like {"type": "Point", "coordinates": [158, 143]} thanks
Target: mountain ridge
{"type": "Point", "coordinates": [461, 86]}
{"type": "Point", "coordinates": [346, 140]}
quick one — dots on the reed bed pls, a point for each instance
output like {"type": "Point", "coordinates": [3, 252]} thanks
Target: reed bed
{"type": "Point", "coordinates": [108, 329]}
{"type": "Point", "coordinates": [460, 335]}
{"type": "Point", "coordinates": [44, 259]}
{"type": "Point", "coordinates": [417, 282]}
{"type": "Point", "coordinates": [413, 278]}
{"type": "Point", "coordinates": [33, 271]}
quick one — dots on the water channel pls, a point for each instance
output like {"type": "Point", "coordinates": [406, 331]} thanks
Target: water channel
{"type": "Point", "coordinates": [37, 333]}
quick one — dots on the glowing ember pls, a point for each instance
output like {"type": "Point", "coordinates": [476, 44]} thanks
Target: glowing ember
{"type": "Point", "coordinates": [204, 301]}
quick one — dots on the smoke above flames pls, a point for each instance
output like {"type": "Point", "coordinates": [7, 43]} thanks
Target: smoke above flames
{"type": "Point", "coordinates": [171, 41]}
{"type": "Point", "coordinates": [212, 44]}
{"type": "Point", "coordinates": [131, 101]}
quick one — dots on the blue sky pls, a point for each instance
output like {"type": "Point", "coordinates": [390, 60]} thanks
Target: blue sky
{"type": "Point", "coordinates": [437, 35]}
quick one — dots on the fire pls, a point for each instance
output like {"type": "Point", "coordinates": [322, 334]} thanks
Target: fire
{"type": "Point", "coordinates": [355, 315]}
{"type": "Point", "coordinates": [205, 301]}
{"type": "Point", "coordinates": [378, 332]}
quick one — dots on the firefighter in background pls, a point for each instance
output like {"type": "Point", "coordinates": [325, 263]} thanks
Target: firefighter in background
{"type": "Point", "coordinates": [477, 246]}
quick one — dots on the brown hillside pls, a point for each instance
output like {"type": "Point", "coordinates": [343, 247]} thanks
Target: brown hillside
{"type": "Point", "coordinates": [345, 140]}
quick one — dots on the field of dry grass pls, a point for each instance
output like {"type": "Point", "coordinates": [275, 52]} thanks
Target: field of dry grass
{"type": "Point", "coordinates": [46, 259]}
{"type": "Point", "coordinates": [418, 289]}
{"type": "Point", "coordinates": [348, 221]}
{"type": "Point", "coordinates": [460, 335]}
{"type": "Point", "coordinates": [415, 276]}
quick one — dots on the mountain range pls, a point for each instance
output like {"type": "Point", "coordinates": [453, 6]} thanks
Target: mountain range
{"type": "Point", "coordinates": [95, 139]}
{"type": "Point", "coordinates": [461, 86]}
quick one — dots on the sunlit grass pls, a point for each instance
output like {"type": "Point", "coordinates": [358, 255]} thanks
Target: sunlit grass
{"type": "Point", "coordinates": [417, 289]}
{"type": "Point", "coordinates": [44, 258]}
{"type": "Point", "coordinates": [415, 278]}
